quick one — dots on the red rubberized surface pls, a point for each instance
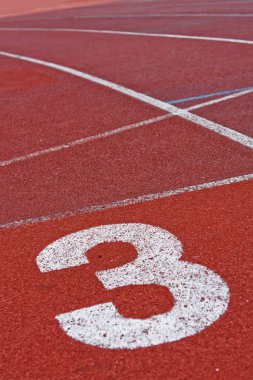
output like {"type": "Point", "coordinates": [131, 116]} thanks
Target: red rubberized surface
{"type": "Point", "coordinates": [163, 68]}
{"type": "Point", "coordinates": [240, 114]}
{"type": "Point", "coordinates": [166, 155]}
{"type": "Point", "coordinates": [230, 27]}
{"type": "Point", "coordinates": [216, 231]}
{"type": "Point", "coordinates": [54, 108]}
{"type": "Point", "coordinates": [42, 108]}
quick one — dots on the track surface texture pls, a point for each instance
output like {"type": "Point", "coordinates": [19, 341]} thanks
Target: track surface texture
{"type": "Point", "coordinates": [126, 160]}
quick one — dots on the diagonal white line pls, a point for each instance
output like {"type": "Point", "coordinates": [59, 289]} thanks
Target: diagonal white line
{"type": "Point", "coordinates": [83, 140]}
{"type": "Point", "coordinates": [129, 201]}
{"type": "Point", "coordinates": [222, 99]}
{"type": "Point", "coordinates": [184, 114]}
{"type": "Point", "coordinates": [125, 33]}
{"type": "Point", "coordinates": [154, 102]}
{"type": "Point", "coordinates": [113, 132]}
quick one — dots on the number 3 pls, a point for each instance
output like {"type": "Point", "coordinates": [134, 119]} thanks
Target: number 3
{"type": "Point", "coordinates": [201, 296]}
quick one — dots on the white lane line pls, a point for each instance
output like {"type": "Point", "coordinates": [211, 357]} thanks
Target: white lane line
{"type": "Point", "coordinates": [184, 114]}
{"type": "Point", "coordinates": [112, 132]}
{"type": "Point", "coordinates": [129, 201]}
{"type": "Point", "coordinates": [141, 15]}
{"type": "Point", "coordinates": [138, 34]}
{"type": "Point", "coordinates": [218, 100]}
{"type": "Point", "coordinates": [83, 140]}
{"type": "Point", "coordinates": [160, 15]}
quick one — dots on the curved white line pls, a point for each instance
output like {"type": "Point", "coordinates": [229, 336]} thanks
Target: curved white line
{"type": "Point", "coordinates": [184, 114]}
{"type": "Point", "coordinates": [113, 132]}
{"type": "Point", "coordinates": [138, 34]}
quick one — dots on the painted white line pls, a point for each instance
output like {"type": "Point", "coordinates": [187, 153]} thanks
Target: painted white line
{"type": "Point", "coordinates": [129, 201]}
{"type": "Point", "coordinates": [184, 114]}
{"type": "Point", "coordinates": [137, 34]}
{"type": "Point", "coordinates": [136, 15]}
{"type": "Point", "coordinates": [218, 100]}
{"type": "Point", "coordinates": [167, 15]}
{"type": "Point", "coordinates": [84, 140]}
{"type": "Point", "coordinates": [106, 134]}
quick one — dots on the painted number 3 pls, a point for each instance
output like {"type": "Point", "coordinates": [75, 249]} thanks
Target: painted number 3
{"type": "Point", "coordinates": [200, 295]}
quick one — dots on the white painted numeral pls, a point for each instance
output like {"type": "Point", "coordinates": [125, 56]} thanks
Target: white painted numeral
{"type": "Point", "coordinates": [200, 295]}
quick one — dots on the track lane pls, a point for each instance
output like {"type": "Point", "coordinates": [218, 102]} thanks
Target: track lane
{"type": "Point", "coordinates": [55, 108]}
{"type": "Point", "coordinates": [143, 98]}
{"type": "Point", "coordinates": [214, 224]}
{"type": "Point", "coordinates": [174, 76]}
{"type": "Point", "coordinates": [84, 177]}
{"type": "Point", "coordinates": [119, 130]}
{"type": "Point", "coordinates": [240, 114]}
{"type": "Point", "coordinates": [215, 230]}
{"type": "Point", "coordinates": [228, 28]}
{"type": "Point", "coordinates": [217, 25]}
{"type": "Point", "coordinates": [52, 186]}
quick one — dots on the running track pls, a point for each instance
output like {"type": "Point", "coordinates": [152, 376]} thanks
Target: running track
{"type": "Point", "coordinates": [126, 115]}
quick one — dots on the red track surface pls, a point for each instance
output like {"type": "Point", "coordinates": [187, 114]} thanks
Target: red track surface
{"type": "Point", "coordinates": [42, 108]}
{"type": "Point", "coordinates": [214, 228]}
